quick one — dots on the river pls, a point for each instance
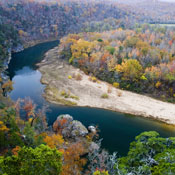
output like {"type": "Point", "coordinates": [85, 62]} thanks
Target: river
{"type": "Point", "coordinates": [116, 129]}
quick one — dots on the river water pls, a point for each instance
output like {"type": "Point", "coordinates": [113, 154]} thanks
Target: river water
{"type": "Point", "coordinates": [116, 129]}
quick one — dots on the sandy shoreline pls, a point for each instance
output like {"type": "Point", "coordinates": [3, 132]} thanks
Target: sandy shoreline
{"type": "Point", "coordinates": [62, 88]}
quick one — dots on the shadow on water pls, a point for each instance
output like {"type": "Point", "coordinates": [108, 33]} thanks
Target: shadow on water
{"type": "Point", "coordinates": [29, 57]}
{"type": "Point", "coordinates": [116, 129]}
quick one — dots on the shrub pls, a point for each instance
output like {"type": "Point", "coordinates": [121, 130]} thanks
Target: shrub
{"type": "Point", "coordinates": [69, 77]}
{"type": "Point", "coordinates": [78, 77]}
{"type": "Point", "coordinates": [158, 84]}
{"type": "Point", "coordinates": [110, 49]}
{"type": "Point", "coordinates": [101, 172]}
{"type": "Point", "coordinates": [93, 79]}
{"type": "Point", "coordinates": [100, 40]}
{"type": "Point", "coordinates": [116, 85]}
{"type": "Point", "coordinates": [105, 96]}
{"type": "Point", "coordinates": [74, 97]}
{"type": "Point", "coordinates": [119, 94]}
{"type": "Point", "coordinates": [109, 89]}
{"type": "Point", "coordinates": [143, 77]}
{"type": "Point", "coordinates": [63, 93]}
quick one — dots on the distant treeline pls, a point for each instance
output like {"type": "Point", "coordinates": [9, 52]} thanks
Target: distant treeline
{"type": "Point", "coordinates": [42, 20]}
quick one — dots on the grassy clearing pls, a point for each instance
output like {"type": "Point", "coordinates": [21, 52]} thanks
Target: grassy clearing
{"type": "Point", "coordinates": [105, 96]}
{"type": "Point", "coordinates": [52, 94]}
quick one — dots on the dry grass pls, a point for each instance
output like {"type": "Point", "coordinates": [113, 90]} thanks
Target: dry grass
{"type": "Point", "coordinates": [119, 94]}
{"type": "Point", "coordinates": [77, 77]}
{"type": "Point", "coordinates": [105, 96]}
{"type": "Point", "coordinates": [109, 89]}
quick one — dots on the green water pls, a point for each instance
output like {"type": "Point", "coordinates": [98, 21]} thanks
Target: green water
{"type": "Point", "coordinates": [116, 129]}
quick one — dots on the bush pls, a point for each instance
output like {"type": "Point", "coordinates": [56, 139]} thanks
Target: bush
{"type": "Point", "coordinates": [77, 77]}
{"type": "Point", "coordinates": [69, 77]}
{"type": "Point", "coordinates": [105, 96]}
{"type": "Point", "coordinates": [32, 161]}
{"type": "Point", "coordinates": [116, 85]}
{"type": "Point", "coordinates": [93, 79]}
{"type": "Point", "coordinates": [110, 49]}
{"type": "Point", "coordinates": [119, 94]}
{"type": "Point", "coordinates": [109, 89]}
{"type": "Point", "coordinates": [63, 93]}
{"type": "Point", "coordinates": [74, 97]}
{"type": "Point", "coordinates": [100, 40]}
{"type": "Point", "coordinates": [158, 84]}
{"type": "Point", "coordinates": [101, 173]}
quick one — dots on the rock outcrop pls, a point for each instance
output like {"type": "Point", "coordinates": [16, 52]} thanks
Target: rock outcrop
{"type": "Point", "coordinates": [69, 128]}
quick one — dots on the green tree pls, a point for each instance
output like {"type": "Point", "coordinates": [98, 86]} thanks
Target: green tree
{"type": "Point", "coordinates": [29, 134]}
{"type": "Point", "coordinates": [131, 41]}
{"type": "Point", "coordinates": [41, 161]}
{"type": "Point", "coordinates": [100, 173]}
{"type": "Point", "coordinates": [150, 154]}
{"type": "Point", "coordinates": [110, 49]}
{"type": "Point", "coordinates": [11, 137]}
{"type": "Point", "coordinates": [166, 163]}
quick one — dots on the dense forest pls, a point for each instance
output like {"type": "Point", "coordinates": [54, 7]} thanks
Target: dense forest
{"type": "Point", "coordinates": [40, 21]}
{"type": "Point", "coordinates": [140, 60]}
{"type": "Point", "coordinates": [29, 22]}
{"type": "Point", "coordinates": [107, 40]}
{"type": "Point", "coordinates": [9, 39]}
{"type": "Point", "coordinates": [57, 19]}
{"type": "Point", "coordinates": [151, 11]}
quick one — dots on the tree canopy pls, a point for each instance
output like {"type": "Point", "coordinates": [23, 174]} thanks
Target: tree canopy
{"type": "Point", "coordinates": [40, 160]}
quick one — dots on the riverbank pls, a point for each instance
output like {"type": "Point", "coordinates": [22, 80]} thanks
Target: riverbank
{"type": "Point", "coordinates": [36, 42]}
{"type": "Point", "coordinates": [68, 85]}
{"type": "Point", "coordinates": [20, 48]}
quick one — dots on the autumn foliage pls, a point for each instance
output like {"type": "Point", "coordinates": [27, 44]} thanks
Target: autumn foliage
{"type": "Point", "coordinates": [29, 108]}
{"type": "Point", "coordinates": [73, 163]}
{"type": "Point", "coordinates": [54, 141]}
{"type": "Point", "coordinates": [140, 60]}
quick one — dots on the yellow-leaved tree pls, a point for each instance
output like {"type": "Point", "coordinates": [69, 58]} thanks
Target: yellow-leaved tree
{"type": "Point", "coordinates": [130, 69]}
{"type": "Point", "coordinates": [82, 49]}
{"type": "Point", "coordinates": [54, 141]}
{"type": "Point", "coordinates": [7, 87]}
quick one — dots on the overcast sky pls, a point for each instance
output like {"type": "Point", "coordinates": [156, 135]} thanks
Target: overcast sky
{"type": "Point", "coordinates": [168, 0]}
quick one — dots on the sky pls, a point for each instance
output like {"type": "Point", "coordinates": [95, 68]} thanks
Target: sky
{"type": "Point", "coordinates": [168, 0]}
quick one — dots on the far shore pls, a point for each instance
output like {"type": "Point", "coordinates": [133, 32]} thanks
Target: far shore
{"type": "Point", "coordinates": [63, 87]}
{"type": "Point", "coordinates": [36, 42]}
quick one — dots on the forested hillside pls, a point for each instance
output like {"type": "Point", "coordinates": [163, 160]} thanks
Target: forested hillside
{"type": "Point", "coordinates": [38, 21]}
{"type": "Point", "coordinates": [9, 40]}
{"type": "Point", "coordinates": [152, 11]}
{"type": "Point", "coordinates": [30, 22]}
{"type": "Point", "coordinates": [108, 41]}
{"type": "Point", "coordinates": [35, 21]}
{"type": "Point", "coordinates": [140, 60]}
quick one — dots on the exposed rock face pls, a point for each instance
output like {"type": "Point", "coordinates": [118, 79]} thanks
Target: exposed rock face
{"type": "Point", "coordinates": [69, 128]}
{"type": "Point", "coordinates": [78, 129]}
{"type": "Point", "coordinates": [92, 129]}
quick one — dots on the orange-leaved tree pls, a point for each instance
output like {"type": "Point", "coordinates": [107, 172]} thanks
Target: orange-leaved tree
{"type": "Point", "coordinates": [54, 141]}
{"type": "Point", "coordinates": [72, 162]}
